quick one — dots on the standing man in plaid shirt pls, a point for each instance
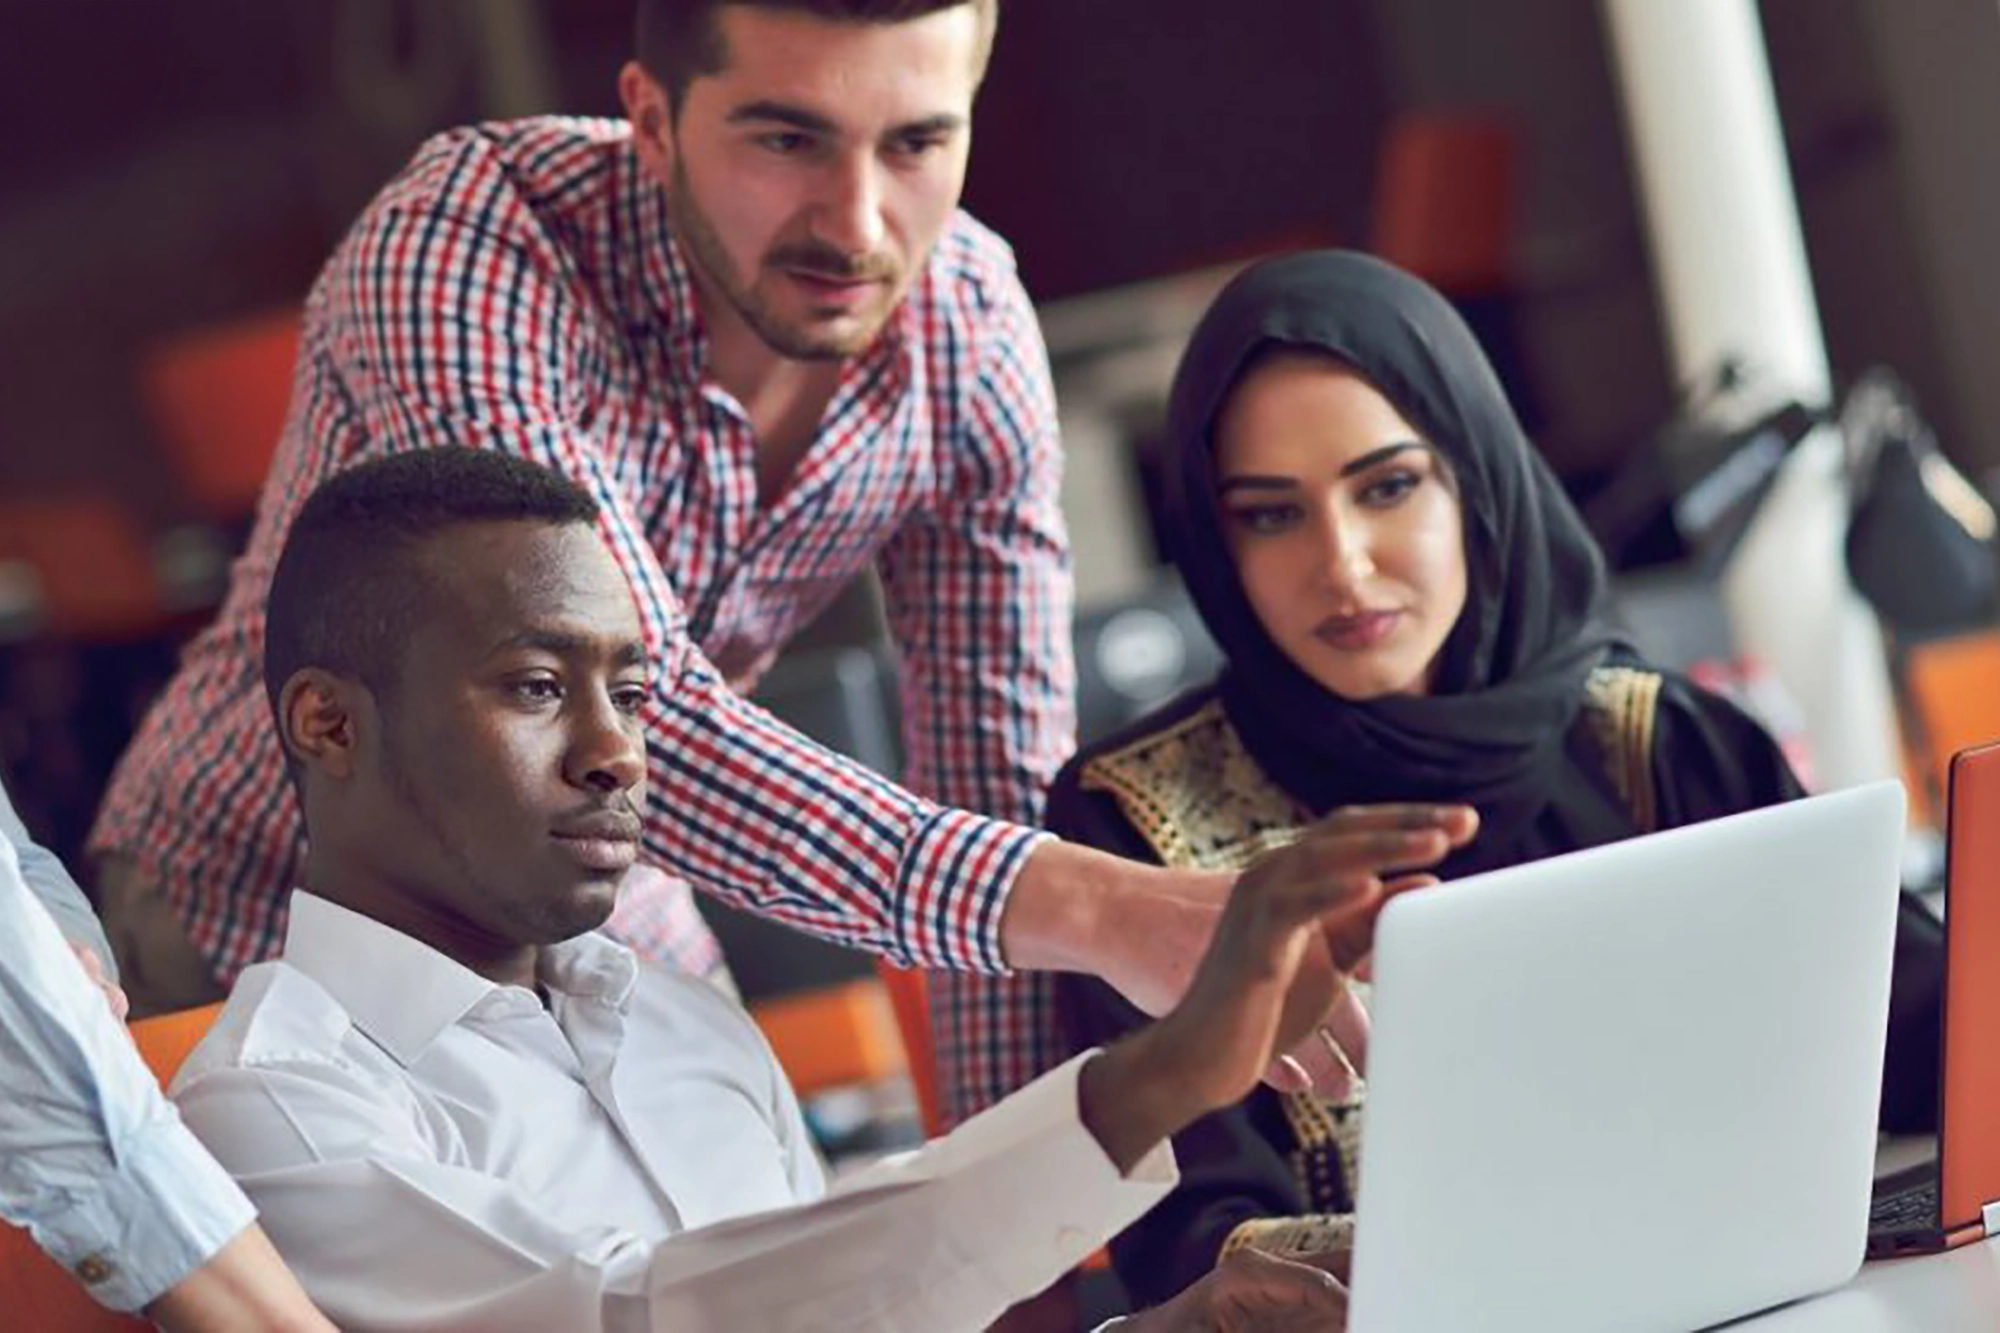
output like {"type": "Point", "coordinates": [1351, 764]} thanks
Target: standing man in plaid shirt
{"type": "Point", "coordinates": [754, 323]}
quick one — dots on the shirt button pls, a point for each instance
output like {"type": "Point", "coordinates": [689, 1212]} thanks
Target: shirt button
{"type": "Point", "coordinates": [94, 1270]}
{"type": "Point", "coordinates": [1070, 1241]}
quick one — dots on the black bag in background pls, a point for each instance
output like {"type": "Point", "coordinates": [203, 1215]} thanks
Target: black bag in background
{"type": "Point", "coordinates": [1920, 543]}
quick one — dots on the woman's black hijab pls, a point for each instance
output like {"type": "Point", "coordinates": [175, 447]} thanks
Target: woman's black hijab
{"type": "Point", "coordinates": [1510, 678]}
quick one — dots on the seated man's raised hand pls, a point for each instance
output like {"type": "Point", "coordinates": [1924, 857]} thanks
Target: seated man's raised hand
{"type": "Point", "coordinates": [1296, 923]}
{"type": "Point", "coordinates": [1153, 950]}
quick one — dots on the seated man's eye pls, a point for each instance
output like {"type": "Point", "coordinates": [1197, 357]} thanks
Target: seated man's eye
{"type": "Point", "coordinates": [630, 698]}
{"type": "Point", "coordinates": [535, 689]}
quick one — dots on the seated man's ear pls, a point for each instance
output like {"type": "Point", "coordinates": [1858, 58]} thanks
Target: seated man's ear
{"type": "Point", "coordinates": [316, 717]}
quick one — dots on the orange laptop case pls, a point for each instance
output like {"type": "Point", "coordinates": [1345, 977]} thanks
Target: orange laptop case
{"type": "Point", "coordinates": [1968, 1160]}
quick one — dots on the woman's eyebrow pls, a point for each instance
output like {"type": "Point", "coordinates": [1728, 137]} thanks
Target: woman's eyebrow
{"type": "Point", "coordinates": [1374, 456]}
{"type": "Point", "coordinates": [1253, 482]}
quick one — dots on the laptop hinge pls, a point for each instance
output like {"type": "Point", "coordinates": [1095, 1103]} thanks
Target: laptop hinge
{"type": "Point", "coordinates": [1990, 1215]}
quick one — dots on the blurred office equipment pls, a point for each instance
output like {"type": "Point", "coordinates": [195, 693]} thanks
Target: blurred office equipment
{"type": "Point", "coordinates": [1134, 654]}
{"type": "Point", "coordinates": [85, 636]}
{"type": "Point", "coordinates": [1729, 261]}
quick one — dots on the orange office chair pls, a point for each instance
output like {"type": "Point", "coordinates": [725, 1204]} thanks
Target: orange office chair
{"type": "Point", "coordinates": [36, 1292]}
{"type": "Point", "coordinates": [833, 1036]}
{"type": "Point", "coordinates": [909, 996]}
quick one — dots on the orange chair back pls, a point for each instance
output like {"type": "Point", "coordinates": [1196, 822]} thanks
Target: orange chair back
{"type": "Point", "coordinates": [1444, 200]}
{"type": "Point", "coordinates": [37, 1293]}
{"type": "Point", "coordinates": [165, 1040]}
{"type": "Point", "coordinates": [218, 398]}
{"type": "Point", "coordinates": [1953, 688]}
{"type": "Point", "coordinates": [832, 1037]}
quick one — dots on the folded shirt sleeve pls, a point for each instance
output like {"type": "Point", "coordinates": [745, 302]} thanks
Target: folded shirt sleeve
{"type": "Point", "coordinates": [386, 1235]}
{"type": "Point", "coordinates": [947, 1237]}
{"type": "Point", "coordinates": [94, 1162]}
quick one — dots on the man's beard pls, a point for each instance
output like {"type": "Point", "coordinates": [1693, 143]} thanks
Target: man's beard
{"type": "Point", "coordinates": [698, 235]}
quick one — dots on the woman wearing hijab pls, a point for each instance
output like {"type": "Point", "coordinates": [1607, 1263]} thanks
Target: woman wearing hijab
{"type": "Point", "coordinates": [1410, 609]}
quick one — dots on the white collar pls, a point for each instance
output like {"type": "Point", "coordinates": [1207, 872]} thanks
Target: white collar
{"type": "Point", "coordinates": [403, 994]}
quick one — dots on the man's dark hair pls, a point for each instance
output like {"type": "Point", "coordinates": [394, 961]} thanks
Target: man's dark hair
{"type": "Point", "coordinates": [347, 592]}
{"type": "Point", "coordinates": [678, 41]}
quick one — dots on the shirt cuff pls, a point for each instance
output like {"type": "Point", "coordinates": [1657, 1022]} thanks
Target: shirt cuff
{"type": "Point", "coordinates": [954, 882]}
{"type": "Point", "coordinates": [163, 1213]}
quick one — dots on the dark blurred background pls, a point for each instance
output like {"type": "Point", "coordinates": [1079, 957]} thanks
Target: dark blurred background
{"type": "Point", "coordinates": [175, 170]}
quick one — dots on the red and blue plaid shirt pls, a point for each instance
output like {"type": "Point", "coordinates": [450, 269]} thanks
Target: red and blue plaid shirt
{"type": "Point", "coordinates": [516, 288]}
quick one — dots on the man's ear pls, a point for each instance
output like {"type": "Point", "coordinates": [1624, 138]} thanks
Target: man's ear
{"type": "Point", "coordinates": [651, 114]}
{"type": "Point", "coordinates": [316, 721]}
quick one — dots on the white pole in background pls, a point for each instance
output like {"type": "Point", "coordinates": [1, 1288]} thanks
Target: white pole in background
{"type": "Point", "coordinates": [1729, 262]}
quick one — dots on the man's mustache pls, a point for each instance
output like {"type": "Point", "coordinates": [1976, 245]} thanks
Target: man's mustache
{"type": "Point", "coordinates": [824, 261]}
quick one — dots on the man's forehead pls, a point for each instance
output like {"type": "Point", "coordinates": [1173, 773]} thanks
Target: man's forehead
{"type": "Point", "coordinates": [500, 579]}
{"type": "Point", "coordinates": [834, 67]}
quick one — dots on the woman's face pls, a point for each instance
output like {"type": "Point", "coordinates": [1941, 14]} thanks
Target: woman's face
{"type": "Point", "coordinates": [1344, 525]}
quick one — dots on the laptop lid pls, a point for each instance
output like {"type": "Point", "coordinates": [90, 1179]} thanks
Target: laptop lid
{"type": "Point", "coordinates": [1634, 1086]}
{"type": "Point", "coordinates": [1969, 1128]}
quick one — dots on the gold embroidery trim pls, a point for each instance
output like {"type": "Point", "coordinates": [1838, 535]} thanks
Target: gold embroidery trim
{"type": "Point", "coordinates": [1291, 1237]}
{"type": "Point", "coordinates": [1622, 704]}
{"type": "Point", "coordinates": [1195, 795]}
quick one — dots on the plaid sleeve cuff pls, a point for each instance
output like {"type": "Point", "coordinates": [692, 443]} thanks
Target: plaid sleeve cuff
{"type": "Point", "coordinates": [953, 885]}
{"type": "Point", "coordinates": [163, 1213]}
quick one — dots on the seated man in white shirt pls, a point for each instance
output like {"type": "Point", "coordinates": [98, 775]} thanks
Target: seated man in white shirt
{"type": "Point", "coordinates": [456, 1106]}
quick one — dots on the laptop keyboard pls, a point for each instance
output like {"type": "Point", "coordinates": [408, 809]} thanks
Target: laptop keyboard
{"type": "Point", "coordinates": [1916, 1206]}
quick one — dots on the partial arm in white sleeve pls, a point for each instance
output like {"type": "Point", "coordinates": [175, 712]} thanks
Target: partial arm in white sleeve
{"type": "Point", "coordinates": [94, 1162]}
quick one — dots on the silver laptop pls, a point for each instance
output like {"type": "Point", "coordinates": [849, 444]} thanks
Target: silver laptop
{"type": "Point", "coordinates": [1633, 1087]}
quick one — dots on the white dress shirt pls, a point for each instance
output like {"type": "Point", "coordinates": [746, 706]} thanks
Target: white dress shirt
{"type": "Point", "coordinates": [432, 1151]}
{"type": "Point", "coordinates": [93, 1160]}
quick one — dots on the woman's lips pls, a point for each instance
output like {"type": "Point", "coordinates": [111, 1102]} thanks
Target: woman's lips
{"type": "Point", "coordinates": [1358, 632]}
